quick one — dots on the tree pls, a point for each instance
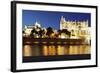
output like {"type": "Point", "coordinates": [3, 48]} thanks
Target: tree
{"type": "Point", "coordinates": [41, 33]}
{"type": "Point", "coordinates": [33, 32]}
{"type": "Point", "coordinates": [59, 32]}
{"type": "Point", "coordinates": [66, 32]}
{"type": "Point", "coordinates": [49, 31]}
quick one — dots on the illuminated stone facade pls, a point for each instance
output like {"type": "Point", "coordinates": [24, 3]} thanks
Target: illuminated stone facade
{"type": "Point", "coordinates": [78, 29]}
{"type": "Point", "coordinates": [27, 29]}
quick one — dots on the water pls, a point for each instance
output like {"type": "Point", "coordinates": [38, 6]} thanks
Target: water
{"type": "Point", "coordinates": [52, 50]}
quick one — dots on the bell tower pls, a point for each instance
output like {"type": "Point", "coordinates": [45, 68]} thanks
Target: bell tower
{"type": "Point", "coordinates": [62, 21]}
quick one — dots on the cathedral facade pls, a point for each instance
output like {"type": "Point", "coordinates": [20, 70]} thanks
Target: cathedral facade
{"type": "Point", "coordinates": [78, 29]}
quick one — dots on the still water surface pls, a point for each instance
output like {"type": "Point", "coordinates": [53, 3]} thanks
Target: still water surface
{"type": "Point", "coordinates": [52, 50]}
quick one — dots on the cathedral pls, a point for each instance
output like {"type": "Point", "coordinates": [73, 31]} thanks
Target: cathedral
{"type": "Point", "coordinates": [78, 29]}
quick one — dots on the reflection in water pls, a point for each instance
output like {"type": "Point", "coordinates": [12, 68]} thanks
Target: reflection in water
{"type": "Point", "coordinates": [27, 50]}
{"type": "Point", "coordinates": [51, 50]}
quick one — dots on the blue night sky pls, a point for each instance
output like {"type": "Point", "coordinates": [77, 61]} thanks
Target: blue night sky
{"type": "Point", "coordinates": [52, 18]}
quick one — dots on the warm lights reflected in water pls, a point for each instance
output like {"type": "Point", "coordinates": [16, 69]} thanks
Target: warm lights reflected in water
{"type": "Point", "coordinates": [51, 50]}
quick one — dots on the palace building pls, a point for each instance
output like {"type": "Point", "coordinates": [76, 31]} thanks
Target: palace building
{"type": "Point", "coordinates": [28, 29]}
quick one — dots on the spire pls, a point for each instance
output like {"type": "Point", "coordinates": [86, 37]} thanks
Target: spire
{"type": "Point", "coordinates": [62, 17]}
{"type": "Point", "coordinates": [62, 20]}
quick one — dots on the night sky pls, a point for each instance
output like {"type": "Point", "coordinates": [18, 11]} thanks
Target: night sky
{"type": "Point", "coordinates": [52, 18]}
